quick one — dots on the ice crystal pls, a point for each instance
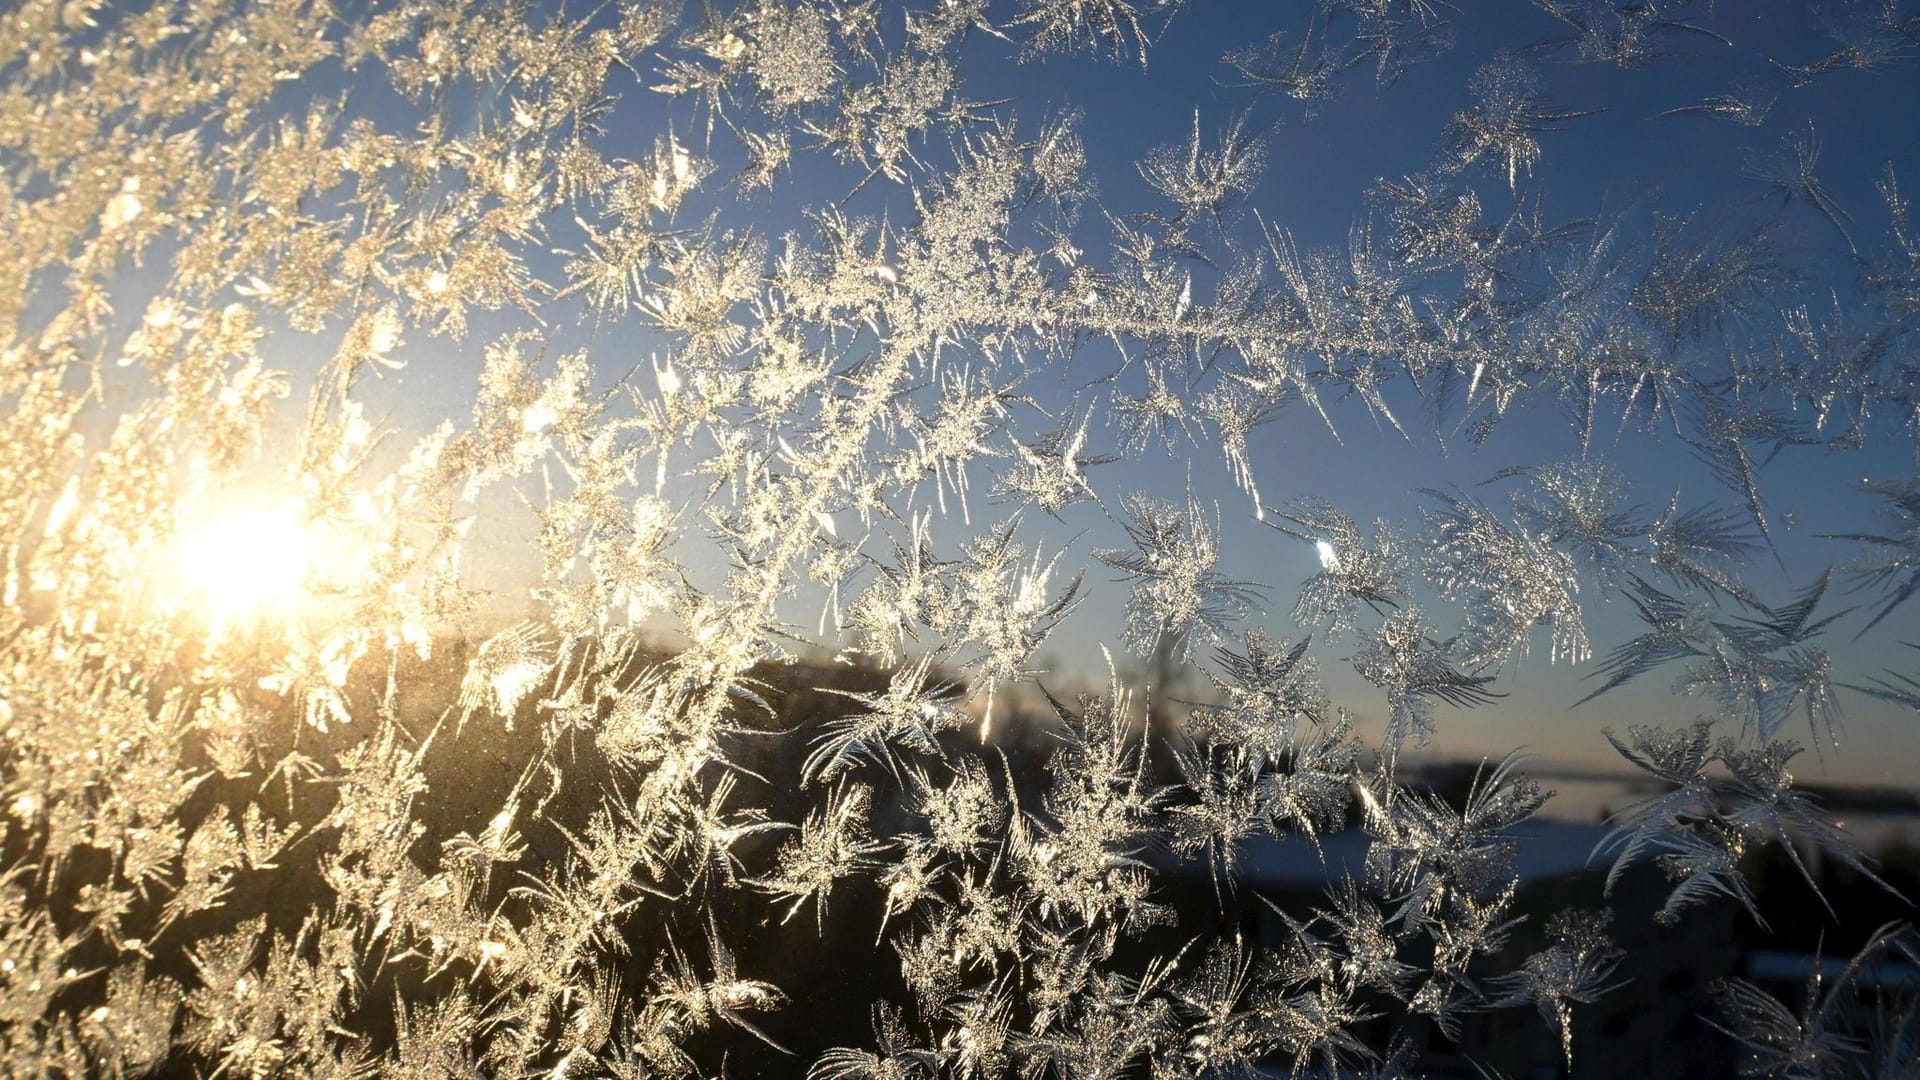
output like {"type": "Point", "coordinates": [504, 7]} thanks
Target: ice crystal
{"type": "Point", "coordinates": [1892, 563]}
{"type": "Point", "coordinates": [1573, 970]}
{"type": "Point", "coordinates": [1302, 72]}
{"type": "Point", "coordinates": [1352, 572]}
{"type": "Point", "coordinates": [1510, 579]}
{"type": "Point", "coordinates": [1699, 828]}
{"type": "Point", "coordinates": [1761, 669]}
{"type": "Point", "coordinates": [1816, 1040]}
{"type": "Point", "coordinates": [1269, 690]}
{"type": "Point", "coordinates": [1178, 596]}
{"type": "Point", "coordinates": [1415, 669]}
{"type": "Point", "coordinates": [908, 716]}
{"type": "Point", "coordinates": [1433, 857]}
{"type": "Point", "coordinates": [1505, 123]}
{"type": "Point", "coordinates": [832, 843]}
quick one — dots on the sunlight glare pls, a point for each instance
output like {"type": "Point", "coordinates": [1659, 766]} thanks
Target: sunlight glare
{"type": "Point", "coordinates": [248, 563]}
{"type": "Point", "coordinates": [1329, 558]}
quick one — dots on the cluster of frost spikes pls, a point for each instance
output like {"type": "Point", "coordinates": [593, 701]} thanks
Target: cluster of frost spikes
{"type": "Point", "coordinates": [516, 522]}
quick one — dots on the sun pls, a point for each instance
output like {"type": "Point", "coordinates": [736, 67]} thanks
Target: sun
{"type": "Point", "coordinates": [248, 564]}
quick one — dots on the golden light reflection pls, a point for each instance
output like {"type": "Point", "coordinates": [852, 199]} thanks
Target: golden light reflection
{"type": "Point", "coordinates": [248, 564]}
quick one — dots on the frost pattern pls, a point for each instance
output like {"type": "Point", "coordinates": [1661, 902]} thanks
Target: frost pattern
{"type": "Point", "coordinates": [585, 374]}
